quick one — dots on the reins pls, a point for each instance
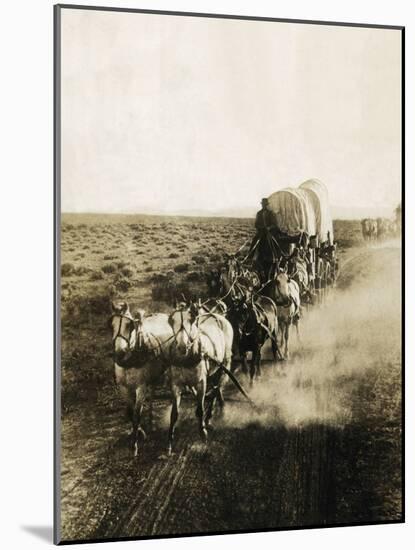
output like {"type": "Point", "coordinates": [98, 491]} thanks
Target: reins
{"type": "Point", "coordinates": [234, 380]}
{"type": "Point", "coordinates": [193, 339]}
{"type": "Point", "coordinates": [144, 347]}
{"type": "Point", "coordinates": [250, 252]}
{"type": "Point", "coordinates": [258, 310]}
{"type": "Point", "coordinates": [241, 247]}
{"type": "Point", "coordinates": [119, 335]}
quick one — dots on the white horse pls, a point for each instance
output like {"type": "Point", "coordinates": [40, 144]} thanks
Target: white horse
{"type": "Point", "coordinates": [369, 229]}
{"type": "Point", "coordinates": [323, 277]}
{"type": "Point", "coordinates": [141, 353]}
{"type": "Point", "coordinates": [286, 294]}
{"type": "Point", "coordinates": [201, 342]}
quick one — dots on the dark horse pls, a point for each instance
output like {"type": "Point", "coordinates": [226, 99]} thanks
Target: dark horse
{"type": "Point", "coordinates": [271, 247]}
{"type": "Point", "coordinates": [231, 281]}
{"type": "Point", "coordinates": [254, 320]}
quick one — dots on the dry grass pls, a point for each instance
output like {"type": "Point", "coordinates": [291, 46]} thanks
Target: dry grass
{"type": "Point", "coordinates": [149, 261]}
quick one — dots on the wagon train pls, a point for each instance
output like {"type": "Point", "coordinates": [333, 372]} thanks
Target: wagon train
{"type": "Point", "coordinates": [255, 297]}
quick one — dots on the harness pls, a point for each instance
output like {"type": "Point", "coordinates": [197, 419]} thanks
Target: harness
{"type": "Point", "coordinates": [196, 337]}
{"type": "Point", "coordinates": [207, 357]}
{"type": "Point", "coordinates": [252, 250]}
{"type": "Point", "coordinates": [273, 241]}
{"type": "Point", "coordinates": [139, 350]}
{"type": "Point", "coordinates": [290, 302]}
{"type": "Point", "coordinates": [118, 334]}
{"type": "Point", "coordinates": [259, 312]}
{"type": "Point", "coordinates": [237, 285]}
{"type": "Point", "coordinates": [241, 247]}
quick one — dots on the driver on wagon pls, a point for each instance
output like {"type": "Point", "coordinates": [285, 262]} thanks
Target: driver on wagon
{"type": "Point", "coordinates": [265, 225]}
{"type": "Point", "coordinates": [265, 218]}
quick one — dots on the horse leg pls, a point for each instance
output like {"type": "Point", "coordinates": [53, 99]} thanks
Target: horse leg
{"type": "Point", "coordinates": [282, 345]}
{"type": "Point", "coordinates": [244, 359]}
{"type": "Point", "coordinates": [129, 397]}
{"type": "Point", "coordinates": [274, 345]}
{"type": "Point", "coordinates": [130, 410]}
{"type": "Point", "coordinates": [318, 291]}
{"type": "Point", "coordinates": [277, 352]}
{"type": "Point", "coordinates": [235, 350]}
{"type": "Point", "coordinates": [258, 362]}
{"type": "Point", "coordinates": [281, 333]}
{"type": "Point", "coordinates": [252, 369]}
{"type": "Point", "coordinates": [221, 399]}
{"type": "Point", "coordinates": [286, 336]}
{"type": "Point", "coordinates": [200, 409]}
{"type": "Point", "coordinates": [297, 329]}
{"type": "Point", "coordinates": [151, 415]}
{"type": "Point", "coordinates": [174, 415]}
{"type": "Point", "coordinates": [211, 405]}
{"type": "Point", "coordinates": [221, 384]}
{"type": "Point", "coordinates": [139, 433]}
{"type": "Point", "coordinates": [274, 348]}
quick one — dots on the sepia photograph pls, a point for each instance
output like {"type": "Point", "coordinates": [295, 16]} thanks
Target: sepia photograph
{"type": "Point", "coordinates": [229, 224]}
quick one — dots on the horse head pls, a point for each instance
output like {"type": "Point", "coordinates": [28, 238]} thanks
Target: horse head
{"type": "Point", "coordinates": [241, 313]}
{"type": "Point", "coordinates": [233, 267]}
{"type": "Point", "coordinates": [124, 331]}
{"type": "Point", "coordinates": [183, 321]}
{"type": "Point", "coordinates": [282, 287]}
{"type": "Point", "coordinates": [213, 281]}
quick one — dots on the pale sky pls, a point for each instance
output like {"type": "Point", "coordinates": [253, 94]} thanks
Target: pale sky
{"type": "Point", "coordinates": [166, 114]}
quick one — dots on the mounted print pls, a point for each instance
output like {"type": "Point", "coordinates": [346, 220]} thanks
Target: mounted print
{"type": "Point", "coordinates": [229, 223]}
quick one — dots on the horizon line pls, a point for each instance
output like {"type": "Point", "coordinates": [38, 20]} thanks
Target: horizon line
{"type": "Point", "coordinates": [340, 216]}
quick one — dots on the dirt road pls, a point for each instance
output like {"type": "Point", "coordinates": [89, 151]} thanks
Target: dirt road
{"type": "Point", "coordinates": [324, 448]}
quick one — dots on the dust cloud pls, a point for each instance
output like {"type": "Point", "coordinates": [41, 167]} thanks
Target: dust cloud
{"type": "Point", "coordinates": [357, 331]}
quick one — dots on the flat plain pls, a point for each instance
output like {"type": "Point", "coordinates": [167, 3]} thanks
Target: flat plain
{"type": "Point", "coordinates": [325, 447]}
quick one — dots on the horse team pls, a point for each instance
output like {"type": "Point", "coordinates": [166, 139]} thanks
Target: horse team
{"type": "Point", "coordinates": [197, 343]}
{"type": "Point", "coordinates": [379, 229]}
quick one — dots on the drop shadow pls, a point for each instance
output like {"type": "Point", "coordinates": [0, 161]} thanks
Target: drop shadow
{"type": "Point", "coordinates": [43, 532]}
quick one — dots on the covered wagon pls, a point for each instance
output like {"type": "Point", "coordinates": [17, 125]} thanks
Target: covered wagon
{"type": "Point", "coordinates": [304, 209]}
{"type": "Point", "coordinates": [294, 211]}
{"type": "Point", "coordinates": [300, 235]}
{"type": "Point", "coordinates": [319, 198]}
